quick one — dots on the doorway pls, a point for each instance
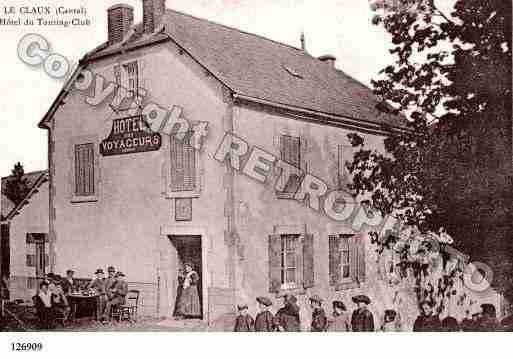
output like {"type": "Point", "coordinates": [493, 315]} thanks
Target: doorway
{"type": "Point", "coordinates": [188, 251]}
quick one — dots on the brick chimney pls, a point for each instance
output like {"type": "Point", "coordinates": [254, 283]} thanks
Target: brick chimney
{"type": "Point", "coordinates": [153, 11]}
{"type": "Point", "coordinates": [328, 59]}
{"type": "Point", "coordinates": [120, 19]}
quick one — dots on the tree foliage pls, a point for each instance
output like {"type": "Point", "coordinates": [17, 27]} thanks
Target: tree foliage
{"type": "Point", "coordinates": [17, 186]}
{"type": "Point", "coordinates": [451, 76]}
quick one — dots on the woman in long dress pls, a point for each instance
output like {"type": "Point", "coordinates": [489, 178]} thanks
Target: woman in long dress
{"type": "Point", "coordinates": [189, 303]}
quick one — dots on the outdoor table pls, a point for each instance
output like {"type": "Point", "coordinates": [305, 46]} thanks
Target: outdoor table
{"type": "Point", "coordinates": [83, 305]}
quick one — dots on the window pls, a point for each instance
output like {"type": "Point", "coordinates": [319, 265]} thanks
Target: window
{"type": "Point", "coordinates": [84, 170]}
{"type": "Point", "coordinates": [132, 75]}
{"type": "Point", "coordinates": [344, 157]}
{"type": "Point", "coordinates": [31, 260]}
{"type": "Point", "coordinates": [346, 260]}
{"type": "Point", "coordinates": [290, 151]}
{"type": "Point", "coordinates": [183, 164]}
{"type": "Point", "coordinates": [289, 243]}
{"type": "Point", "coordinates": [31, 283]}
{"type": "Point", "coordinates": [345, 255]}
{"type": "Point", "coordinates": [291, 265]}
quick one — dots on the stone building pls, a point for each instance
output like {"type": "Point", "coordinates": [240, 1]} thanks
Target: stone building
{"type": "Point", "coordinates": [147, 203]}
{"type": "Point", "coordinates": [24, 236]}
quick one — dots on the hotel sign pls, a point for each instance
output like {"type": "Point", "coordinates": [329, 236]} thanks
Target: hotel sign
{"type": "Point", "coordinates": [130, 135]}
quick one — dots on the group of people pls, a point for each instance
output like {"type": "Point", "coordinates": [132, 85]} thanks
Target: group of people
{"type": "Point", "coordinates": [483, 321]}
{"type": "Point", "coordinates": [287, 318]}
{"type": "Point", "coordinates": [55, 293]}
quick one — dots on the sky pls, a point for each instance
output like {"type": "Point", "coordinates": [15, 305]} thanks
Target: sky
{"type": "Point", "coordinates": [339, 27]}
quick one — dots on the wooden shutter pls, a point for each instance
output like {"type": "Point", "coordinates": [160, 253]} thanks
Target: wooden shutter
{"type": "Point", "coordinates": [5, 253]}
{"type": "Point", "coordinates": [360, 246]}
{"type": "Point", "coordinates": [353, 258]}
{"type": "Point", "coordinates": [183, 164]}
{"type": "Point", "coordinates": [84, 169]}
{"type": "Point", "coordinates": [290, 150]}
{"type": "Point", "coordinates": [308, 262]}
{"type": "Point", "coordinates": [334, 260]}
{"type": "Point", "coordinates": [274, 263]}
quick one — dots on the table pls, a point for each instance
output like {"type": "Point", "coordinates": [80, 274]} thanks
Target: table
{"type": "Point", "coordinates": [83, 306]}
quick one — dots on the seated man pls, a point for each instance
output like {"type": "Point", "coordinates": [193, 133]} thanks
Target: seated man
{"type": "Point", "coordinates": [61, 305]}
{"type": "Point", "coordinates": [44, 303]}
{"type": "Point", "coordinates": [118, 295]}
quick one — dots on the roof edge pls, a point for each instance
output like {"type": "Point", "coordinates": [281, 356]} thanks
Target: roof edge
{"type": "Point", "coordinates": [43, 178]}
{"type": "Point", "coordinates": [331, 118]}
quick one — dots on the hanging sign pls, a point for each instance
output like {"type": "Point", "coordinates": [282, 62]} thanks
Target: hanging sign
{"type": "Point", "coordinates": [130, 135]}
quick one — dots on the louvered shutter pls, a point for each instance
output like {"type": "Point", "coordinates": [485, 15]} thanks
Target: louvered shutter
{"type": "Point", "coordinates": [290, 148]}
{"type": "Point", "coordinates": [308, 262]}
{"type": "Point", "coordinates": [334, 260]}
{"type": "Point", "coordinates": [5, 254]}
{"type": "Point", "coordinates": [183, 164]}
{"type": "Point", "coordinates": [84, 169]}
{"type": "Point", "coordinates": [274, 263]}
{"type": "Point", "coordinates": [360, 245]}
{"type": "Point", "coordinates": [353, 258]}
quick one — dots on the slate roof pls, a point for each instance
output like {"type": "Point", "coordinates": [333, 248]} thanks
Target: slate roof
{"type": "Point", "coordinates": [6, 205]}
{"type": "Point", "coordinates": [254, 66]}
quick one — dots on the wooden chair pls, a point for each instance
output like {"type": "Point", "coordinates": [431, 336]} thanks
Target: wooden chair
{"type": "Point", "coordinates": [128, 310]}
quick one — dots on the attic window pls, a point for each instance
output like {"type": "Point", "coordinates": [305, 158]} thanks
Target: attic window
{"type": "Point", "coordinates": [292, 72]}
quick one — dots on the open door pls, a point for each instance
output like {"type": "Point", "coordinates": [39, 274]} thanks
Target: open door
{"type": "Point", "coordinates": [189, 250]}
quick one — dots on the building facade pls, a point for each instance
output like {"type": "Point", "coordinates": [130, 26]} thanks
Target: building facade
{"type": "Point", "coordinates": [24, 237]}
{"type": "Point", "coordinates": [148, 203]}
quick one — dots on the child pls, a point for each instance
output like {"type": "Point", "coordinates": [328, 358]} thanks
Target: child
{"type": "Point", "coordinates": [340, 321]}
{"type": "Point", "coordinates": [264, 321]}
{"type": "Point", "coordinates": [319, 320]}
{"type": "Point", "coordinates": [244, 322]}
{"type": "Point", "coordinates": [390, 322]}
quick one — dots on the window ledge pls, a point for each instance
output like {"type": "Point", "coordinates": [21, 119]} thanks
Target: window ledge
{"type": "Point", "coordinates": [184, 194]}
{"type": "Point", "coordinates": [84, 199]}
{"type": "Point", "coordinates": [291, 291]}
{"type": "Point", "coordinates": [285, 195]}
{"type": "Point", "coordinates": [346, 286]}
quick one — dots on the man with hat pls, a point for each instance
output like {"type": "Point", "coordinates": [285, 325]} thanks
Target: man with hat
{"type": "Point", "coordinates": [287, 318]}
{"type": "Point", "coordinates": [110, 282]}
{"type": "Point", "coordinates": [244, 322]}
{"type": "Point", "coordinates": [98, 285]}
{"type": "Point", "coordinates": [119, 293]}
{"type": "Point", "coordinates": [427, 321]}
{"type": "Point", "coordinates": [68, 283]}
{"type": "Point", "coordinates": [319, 320]}
{"type": "Point", "coordinates": [264, 321]}
{"type": "Point", "coordinates": [362, 319]}
{"type": "Point", "coordinates": [340, 321]}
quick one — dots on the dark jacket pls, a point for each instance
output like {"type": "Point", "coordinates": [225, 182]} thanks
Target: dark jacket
{"type": "Point", "coordinates": [264, 322]}
{"type": "Point", "coordinates": [98, 285]}
{"type": "Point", "coordinates": [319, 320]}
{"type": "Point", "coordinates": [362, 321]}
{"type": "Point", "coordinates": [487, 325]}
{"type": "Point", "coordinates": [507, 324]}
{"type": "Point", "coordinates": [67, 286]}
{"type": "Point", "coordinates": [425, 323]}
{"type": "Point", "coordinates": [450, 324]}
{"type": "Point", "coordinates": [288, 318]}
{"type": "Point", "coordinates": [244, 323]}
{"type": "Point", "coordinates": [468, 325]}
